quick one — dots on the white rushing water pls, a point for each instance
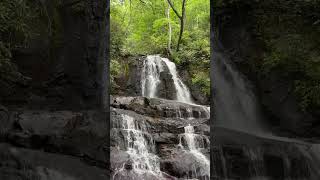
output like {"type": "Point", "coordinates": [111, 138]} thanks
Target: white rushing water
{"type": "Point", "coordinates": [193, 144]}
{"type": "Point", "coordinates": [237, 106]}
{"type": "Point", "coordinates": [183, 93]}
{"type": "Point", "coordinates": [140, 144]}
{"type": "Point", "coordinates": [150, 78]}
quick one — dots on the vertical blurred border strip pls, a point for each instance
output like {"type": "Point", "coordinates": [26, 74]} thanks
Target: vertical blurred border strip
{"type": "Point", "coordinates": [103, 74]}
{"type": "Point", "coordinates": [212, 44]}
{"type": "Point", "coordinates": [106, 92]}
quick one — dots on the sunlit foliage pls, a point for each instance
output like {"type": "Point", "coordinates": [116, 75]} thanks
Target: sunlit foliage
{"type": "Point", "coordinates": [141, 27]}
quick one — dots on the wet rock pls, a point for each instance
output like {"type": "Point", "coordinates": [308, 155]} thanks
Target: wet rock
{"type": "Point", "coordinates": [155, 107]}
{"type": "Point", "coordinates": [185, 165]}
{"type": "Point", "coordinates": [20, 163]}
{"type": "Point", "coordinates": [165, 137]}
{"type": "Point", "coordinates": [165, 130]}
{"type": "Point", "coordinates": [166, 88]}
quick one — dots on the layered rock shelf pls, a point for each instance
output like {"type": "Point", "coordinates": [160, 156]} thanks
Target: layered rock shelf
{"type": "Point", "coordinates": [165, 126]}
{"type": "Point", "coordinates": [64, 145]}
{"type": "Point", "coordinates": [241, 155]}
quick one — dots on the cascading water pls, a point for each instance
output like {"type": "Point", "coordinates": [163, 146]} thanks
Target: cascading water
{"type": "Point", "coordinates": [193, 143]}
{"type": "Point", "coordinates": [190, 142]}
{"type": "Point", "coordinates": [150, 78]}
{"type": "Point", "coordinates": [183, 93]}
{"type": "Point", "coordinates": [237, 111]}
{"type": "Point", "coordinates": [139, 144]}
{"type": "Point", "coordinates": [236, 104]}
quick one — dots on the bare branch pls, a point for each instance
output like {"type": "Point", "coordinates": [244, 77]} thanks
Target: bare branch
{"type": "Point", "coordinates": [175, 11]}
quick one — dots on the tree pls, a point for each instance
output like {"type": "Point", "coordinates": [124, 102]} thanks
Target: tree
{"type": "Point", "coordinates": [182, 19]}
{"type": "Point", "coordinates": [169, 30]}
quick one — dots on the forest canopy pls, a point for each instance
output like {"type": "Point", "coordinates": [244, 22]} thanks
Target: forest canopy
{"type": "Point", "coordinates": [178, 29]}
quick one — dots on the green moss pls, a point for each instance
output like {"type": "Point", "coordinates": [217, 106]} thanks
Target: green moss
{"type": "Point", "coordinates": [202, 80]}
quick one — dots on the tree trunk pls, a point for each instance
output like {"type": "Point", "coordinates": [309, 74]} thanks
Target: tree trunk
{"type": "Point", "coordinates": [169, 30]}
{"type": "Point", "coordinates": [182, 21]}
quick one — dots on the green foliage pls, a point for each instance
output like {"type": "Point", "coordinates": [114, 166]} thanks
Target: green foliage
{"type": "Point", "coordinates": [14, 18]}
{"type": "Point", "coordinates": [202, 80]}
{"type": "Point", "coordinates": [23, 21]}
{"type": "Point", "coordinates": [14, 33]}
{"type": "Point", "coordinates": [5, 56]}
{"type": "Point", "coordinates": [142, 27]}
{"type": "Point", "coordinates": [115, 70]}
{"type": "Point", "coordinates": [292, 48]}
{"type": "Point", "coordinates": [308, 92]}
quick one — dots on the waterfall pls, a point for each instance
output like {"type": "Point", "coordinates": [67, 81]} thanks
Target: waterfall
{"type": "Point", "coordinates": [150, 78]}
{"type": "Point", "coordinates": [139, 144]}
{"type": "Point", "coordinates": [183, 93]}
{"type": "Point", "coordinates": [236, 105]}
{"type": "Point", "coordinates": [193, 143]}
{"type": "Point", "coordinates": [237, 111]}
{"type": "Point", "coordinates": [190, 143]}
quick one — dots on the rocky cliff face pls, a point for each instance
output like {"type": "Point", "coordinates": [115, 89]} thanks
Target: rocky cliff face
{"type": "Point", "coordinates": [62, 67]}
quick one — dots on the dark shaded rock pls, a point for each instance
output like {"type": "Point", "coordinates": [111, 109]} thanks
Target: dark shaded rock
{"type": "Point", "coordinates": [165, 137]}
{"type": "Point", "coordinates": [64, 69]}
{"type": "Point", "coordinates": [166, 88]}
{"type": "Point", "coordinates": [262, 156]}
{"type": "Point", "coordinates": [20, 163]}
{"type": "Point", "coordinates": [81, 134]}
{"type": "Point", "coordinates": [129, 83]}
{"type": "Point", "coordinates": [128, 165]}
{"type": "Point", "coordinates": [274, 166]}
{"type": "Point", "coordinates": [4, 119]}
